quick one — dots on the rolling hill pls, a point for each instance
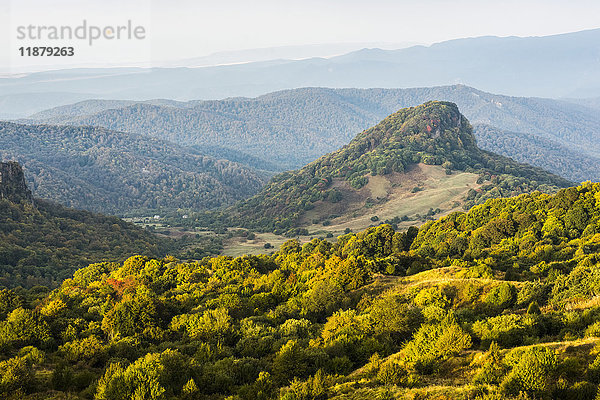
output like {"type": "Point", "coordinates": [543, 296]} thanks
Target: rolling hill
{"type": "Point", "coordinates": [434, 133]}
{"type": "Point", "coordinates": [116, 172]}
{"type": "Point", "coordinates": [292, 128]}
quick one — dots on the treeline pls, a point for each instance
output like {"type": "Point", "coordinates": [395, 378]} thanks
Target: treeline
{"type": "Point", "coordinates": [499, 302]}
{"type": "Point", "coordinates": [115, 172]}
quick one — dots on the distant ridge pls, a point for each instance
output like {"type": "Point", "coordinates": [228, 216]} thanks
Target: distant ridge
{"type": "Point", "coordinates": [564, 65]}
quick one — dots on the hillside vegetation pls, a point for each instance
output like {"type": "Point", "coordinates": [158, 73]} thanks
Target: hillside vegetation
{"type": "Point", "coordinates": [434, 133]}
{"type": "Point", "coordinates": [43, 243]}
{"type": "Point", "coordinates": [115, 172]}
{"type": "Point", "coordinates": [535, 150]}
{"type": "Point", "coordinates": [500, 302]}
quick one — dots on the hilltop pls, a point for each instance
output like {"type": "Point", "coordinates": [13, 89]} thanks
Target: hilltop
{"type": "Point", "coordinates": [434, 133]}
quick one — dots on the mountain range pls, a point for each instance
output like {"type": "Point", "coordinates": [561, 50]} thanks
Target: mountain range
{"type": "Point", "coordinates": [288, 129]}
{"type": "Point", "coordinates": [565, 65]}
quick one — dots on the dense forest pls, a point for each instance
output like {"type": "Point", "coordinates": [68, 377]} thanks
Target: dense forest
{"type": "Point", "coordinates": [115, 172]}
{"type": "Point", "coordinates": [43, 243]}
{"type": "Point", "coordinates": [434, 133]}
{"type": "Point", "coordinates": [500, 302]}
{"type": "Point", "coordinates": [294, 127]}
{"type": "Point", "coordinates": [534, 150]}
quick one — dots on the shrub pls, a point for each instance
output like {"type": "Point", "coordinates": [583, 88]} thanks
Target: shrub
{"type": "Point", "coordinates": [314, 388]}
{"type": "Point", "coordinates": [154, 376]}
{"type": "Point", "coordinates": [392, 372]}
{"type": "Point", "coordinates": [82, 350]}
{"type": "Point", "coordinates": [533, 373]}
{"type": "Point", "coordinates": [502, 296]}
{"type": "Point", "coordinates": [507, 330]}
{"type": "Point", "coordinates": [593, 372]}
{"type": "Point", "coordinates": [15, 374]}
{"type": "Point", "coordinates": [492, 370]}
{"type": "Point", "coordinates": [433, 296]}
{"type": "Point", "coordinates": [434, 343]}
{"type": "Point", "coordinates": [290, 362]}
{"type": "Point", "coordinates": [531, 291]}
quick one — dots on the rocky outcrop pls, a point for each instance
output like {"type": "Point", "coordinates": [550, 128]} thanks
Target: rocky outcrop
{"type": "Point", "coordinates": [12, 183]}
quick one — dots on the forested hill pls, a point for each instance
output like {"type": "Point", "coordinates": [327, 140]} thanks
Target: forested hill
{"type": "Point", "coordinates": [434, 133]}
{"type": "Point", "coordinates": [294, 127]}
{"type": "Point", "coordinates": [116, 172]}
{"type": "Point", "coordinates": [42, 242]}
{"type": "Point", "coordinates": [539, 151]}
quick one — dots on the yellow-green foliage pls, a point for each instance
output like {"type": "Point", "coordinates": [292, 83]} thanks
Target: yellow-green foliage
{"type": "Point", "coordinates": [322, 320]}
{"type": "Point", "coordinates": [153, 377]}
{"type": "Point", "coordinates": [434, 343]}
{"type": "Point", "coordinates": [532, 371]}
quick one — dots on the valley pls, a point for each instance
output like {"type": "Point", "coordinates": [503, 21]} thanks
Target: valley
{"type": "Point", "coordinates": [361, 226]}
{"type": "Point", "coordinates": [396, 200]}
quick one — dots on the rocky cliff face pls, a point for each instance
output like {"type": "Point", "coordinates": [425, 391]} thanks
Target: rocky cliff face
{"type": "Point", "coordinates": [12, 183]}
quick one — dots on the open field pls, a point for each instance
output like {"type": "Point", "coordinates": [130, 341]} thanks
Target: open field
{"type": "Point", "coordinates": [418, 191]}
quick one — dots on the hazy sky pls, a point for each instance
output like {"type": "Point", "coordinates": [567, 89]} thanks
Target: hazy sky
{"type": "Point", "coordinates": [179, 29]}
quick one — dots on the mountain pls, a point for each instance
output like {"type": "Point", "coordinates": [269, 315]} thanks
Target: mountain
{"type": "Point", "coordinates": [116, 172]}
{"type": "Point", "coordinates": [42, 242]}
{"type": "Point", "coordinates": [292, 128]}
{"type": "Point", "coordinates": [297, 52]}
{"type": "Point", "coordinates": [565, 65]}
{"type": "Point", "coordinates": [81, 108]}
{"type": "Point", "coordinates": [434, 133]}
{"type": "Point", "coordinates": [87, 107]}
